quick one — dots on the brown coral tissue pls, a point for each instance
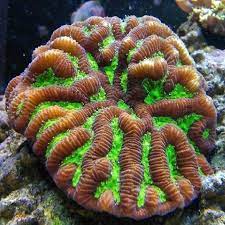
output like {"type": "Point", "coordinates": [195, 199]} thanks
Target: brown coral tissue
{"type": "Point", "coordinates": [120, 115]}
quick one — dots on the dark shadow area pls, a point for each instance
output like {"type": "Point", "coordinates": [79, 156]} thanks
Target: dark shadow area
{"type": "Point", "coordinates": [3, 36]}
{"type": "Point", "coordinates": [211, 39]}
{"type": "Point", "coordinates": [167, 11]}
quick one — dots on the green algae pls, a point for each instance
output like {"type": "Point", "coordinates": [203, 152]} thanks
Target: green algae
{"type": "Point", "coordinates": [74, 60]}
{"type": "Point", "coordinates": [80, 75]}
{"type": "Point", "coordinates": [123, 25]}
{"type": "Point", "coordinates": [206, 134]}
{"type": "Point", "coordinates": [19, 108]}
{"type": "Point", "coordinates": [47, 104]}
{"type": "Point", "coordinates": [78, 155]}
{"type": "Point", "coordinates": [155, 91]}
{"type": "Point", "coordinates": [161, 121]}
{"type": "Point", "coordinates": [122, 105]}
{"type": "Point", "coordinates": [106, 42]}
{"type": "Point", "coordinates": [147, 180]}
{"type": "Point", "coordinates": [76, 177]}
{"type": "Point", "coordinates": [45, 126]}
{"type": "Point", "coordinates": [86, 30]}
{"type": "Point", "coordinates": [55, 141]}
{"type": "Point", "coordinates": [90, 120]}
{"type": "Point", "coordinates": [133, 50]}
{"type": "Point", "coordinates": [110, 69]}
{"type": "Point", "coordinates": [92, 61]}
{"type": "Point", "coordinates": [179, 63]}
{"type": "Point", "coordinates": [77, 158]}
{"type": "Point", "coordinates": [158, 54]}
{"type": "Point", "coordinates": [124, 80]}
{"type": "Point", "coordinates": [48, 78]}
{"type": "Point", "coordinates": [100, 96]}
{"type": "Point", "coordinates": [180, 91]}
{"type": "Point", "coordinates": [161, 194]}
{"type": "Point", "coordinates": [200, 172]}
{"type": "Point", "coordinates": [113, 182]}
{"type": "Point", "coordinates": [185, 122]}
{"type": "Point", "coordinates": [172, 161]}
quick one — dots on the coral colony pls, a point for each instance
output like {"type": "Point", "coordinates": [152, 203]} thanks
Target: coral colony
{"type": "Point", "coordinates": [120, 115]}
{"type": "Point", "coordinates": [209, 13]}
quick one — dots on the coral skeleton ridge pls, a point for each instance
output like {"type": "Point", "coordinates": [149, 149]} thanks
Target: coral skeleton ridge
{"type": "Point", "coordinates": [119, 113]}
{"type": "Point", "coordinates": [209, 13]}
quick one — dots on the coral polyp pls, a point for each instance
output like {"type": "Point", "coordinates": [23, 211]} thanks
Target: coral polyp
{"type": "Point", "coordinates": [209, 13]}
{"type": "Point", "coordinates": [120, 115]}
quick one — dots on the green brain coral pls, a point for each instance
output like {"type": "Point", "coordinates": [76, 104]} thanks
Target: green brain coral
{"type": "Point", "coordinates": [128, 131]}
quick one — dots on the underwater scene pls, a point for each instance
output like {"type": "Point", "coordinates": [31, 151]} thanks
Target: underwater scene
{"type": "Point", "coordinates": [112, 112]}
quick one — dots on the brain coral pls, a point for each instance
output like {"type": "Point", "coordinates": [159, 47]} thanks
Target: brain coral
{"type": "Point", "coordinates": [119, 113]}
{"type": "Point", "coordinates": [210, 13]}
